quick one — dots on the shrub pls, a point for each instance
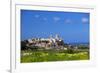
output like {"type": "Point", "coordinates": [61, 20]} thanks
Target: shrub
{"type": "Point", "coordinates": [83, 47]}
{"type": "Point", "coordinates": [23, 45]}
{"type": "Point", "coordinates": [71, 51]}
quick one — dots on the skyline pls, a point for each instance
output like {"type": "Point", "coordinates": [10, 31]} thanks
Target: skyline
{"type": "Point", "coordinates": [71, 26]}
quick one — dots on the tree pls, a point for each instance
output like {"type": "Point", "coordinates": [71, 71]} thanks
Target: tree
{"type": "Point", "coordinates": [23, 45]}
{"type": "Point", "coordinates": [83, 47]}
{"type": "Point", "coordinates": [61, 43]}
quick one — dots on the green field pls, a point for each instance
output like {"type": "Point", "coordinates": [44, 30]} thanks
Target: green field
{"type": "Point", "coordinates": [46, 56]}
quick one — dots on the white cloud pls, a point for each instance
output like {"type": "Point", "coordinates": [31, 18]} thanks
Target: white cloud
{"type": "Point", "coordinates": [45, 18]}
{"type": "Point", "coordinates": [36, 16]}
{"type": "Point", "coordinates": [84, 20]}
{"type": "Point", "coordinates": [56, 18]}
{"type": "Point", "coordinates": [67, 21]}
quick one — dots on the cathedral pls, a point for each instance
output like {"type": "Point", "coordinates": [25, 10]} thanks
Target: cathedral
{"type": "Point", "coordinates": [50, 42]}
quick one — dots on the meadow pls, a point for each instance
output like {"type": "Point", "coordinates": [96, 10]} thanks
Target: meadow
{"type": "Point", "coordinates": [51, 55]}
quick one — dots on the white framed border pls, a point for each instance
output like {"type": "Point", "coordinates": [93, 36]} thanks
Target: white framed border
{"type": "Point", "coordinates": [16, 66]}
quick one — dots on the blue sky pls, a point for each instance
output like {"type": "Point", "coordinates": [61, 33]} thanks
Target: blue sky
{"type": "Point", "coordinates": [71, 26]}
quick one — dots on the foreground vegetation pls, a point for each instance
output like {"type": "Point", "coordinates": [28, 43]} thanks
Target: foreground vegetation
{"type": "Point", "coordinates": [28, 56]}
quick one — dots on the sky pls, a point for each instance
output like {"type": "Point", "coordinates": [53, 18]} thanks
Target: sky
{"type": "Point", "coordinates": [70, 26]}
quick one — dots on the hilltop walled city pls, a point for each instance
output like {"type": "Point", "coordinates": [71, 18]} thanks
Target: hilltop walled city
{"type": "Point", "coordinates": [49, 43]}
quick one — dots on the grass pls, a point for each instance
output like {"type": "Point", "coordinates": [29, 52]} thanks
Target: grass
{"type": "Point", "coordinates": [46, 56]}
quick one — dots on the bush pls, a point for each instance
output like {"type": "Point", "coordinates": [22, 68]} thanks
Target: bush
{"type": "Point", "coordinates": [83, 47]}
{"type": "Point", "coordinates": [70, 51]}
{"type": "Point", "coordinates": [23, 45]}
{"type": "Point", "coordinates": [35, 48]}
